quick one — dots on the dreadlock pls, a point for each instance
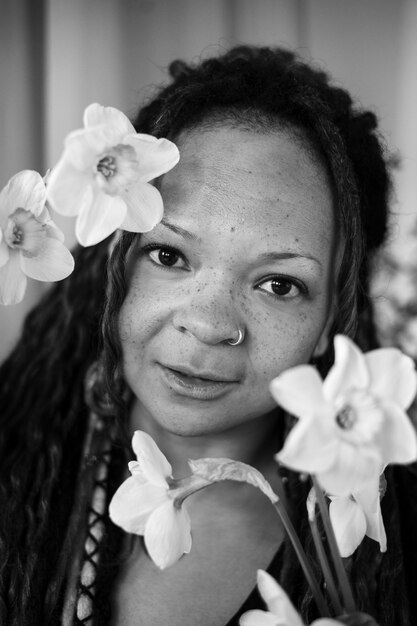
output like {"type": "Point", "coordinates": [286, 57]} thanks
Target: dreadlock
{"type": "Point", "coordinates": [43, 418]}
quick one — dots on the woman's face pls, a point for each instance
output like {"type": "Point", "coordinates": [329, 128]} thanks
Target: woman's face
{"type": "Point", "coordinates": [247, 242]}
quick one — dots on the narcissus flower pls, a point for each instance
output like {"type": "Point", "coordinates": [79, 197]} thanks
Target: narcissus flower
{"type": "Point", "coordinates": [30, 243]}
{"type": "Point", "coordinates": [280, 609]}
{"type": "Point", "coordinates": [149, 502]}
{"type": "Point", "coordinates": [103, 176]}
{"type": "Point", "coordinates": [357, 515]}
{"type": "Point", "coordinates": [354, 422]}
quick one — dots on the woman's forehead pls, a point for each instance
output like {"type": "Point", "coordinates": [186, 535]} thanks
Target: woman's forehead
{"type": "Point", "coordinates": [242, 171]}
{"type": "Point", "coordinates": [236, 160]}
{"type": "Point", "coordinates": [264, 188]}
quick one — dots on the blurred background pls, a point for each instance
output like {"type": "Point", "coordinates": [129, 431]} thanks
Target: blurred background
{"type": "Point", "coordinates": [57, 56]}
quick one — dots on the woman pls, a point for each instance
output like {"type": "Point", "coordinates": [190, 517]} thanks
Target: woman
{"type": "Point", "coordinates": [271, 219]}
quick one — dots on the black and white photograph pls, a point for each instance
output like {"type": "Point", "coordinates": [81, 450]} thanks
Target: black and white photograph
{"type": "Point", "coordinates": [208, 312]}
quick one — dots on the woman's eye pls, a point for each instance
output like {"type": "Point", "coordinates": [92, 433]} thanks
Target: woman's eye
{"type": "Point", "coordinates": [281, 287]}
{"type": "Point", "coordinates": [167, 257]}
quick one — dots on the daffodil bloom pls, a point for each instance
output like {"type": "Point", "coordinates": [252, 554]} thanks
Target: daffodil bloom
{"type": "Point", "coordinates": [103, 176]}
{"type": "Point", "coordinates": [352, 423]}
{"type": "Point", "coordinates": [280, 609]}
{"type": "Point", "coordinates": [30, 243]}
{"type": "Point", "coordinates": [357, 515]}
{"type": "Point", "coordinates": [149, 502]}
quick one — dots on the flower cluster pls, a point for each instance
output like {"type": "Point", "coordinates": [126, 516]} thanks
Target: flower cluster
{"type": "Point", "coordinates": [103, 177]}
{"type": "Point", "coordinates": [351, 425]}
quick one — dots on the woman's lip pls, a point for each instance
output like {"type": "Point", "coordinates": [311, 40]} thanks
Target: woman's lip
{"type": "Point", "coordinates": [194, 386]}
{"type": "Point", "coordinates": [203, 375]}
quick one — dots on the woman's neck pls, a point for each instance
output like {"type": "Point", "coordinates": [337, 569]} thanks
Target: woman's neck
{"type": "Point", "coordinates": [254, 442]}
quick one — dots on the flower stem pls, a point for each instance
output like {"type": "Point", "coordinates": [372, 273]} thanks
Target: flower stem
{"type": "Point", "coordinates": [325, 567]}
{"type": "Point", "coordinates": [280, 488]}
{"type": "Point", "coordinates": [302, 557]}
{"type": "Point", "coordinates": [344, 585]}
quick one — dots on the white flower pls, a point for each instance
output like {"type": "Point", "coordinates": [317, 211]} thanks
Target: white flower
{"type": "Point", "coordinates": [149, 502]}
{"type": "Point", "coordinates": [357, 515]}
{"type": "Point", "coordinates": [280, 609]}
{"type": "Point", "coordinates": [354, 422]}
{"type": "Point", "coordinates": [30, 243]}
{"type": "Point", "coordinates": [103, 176]}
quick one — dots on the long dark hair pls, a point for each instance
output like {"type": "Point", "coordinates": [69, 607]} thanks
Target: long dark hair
{"type": "Point", "coordinates": [43, 411]}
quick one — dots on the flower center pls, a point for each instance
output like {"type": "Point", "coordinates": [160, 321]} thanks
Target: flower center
{"type": "Point", "coordinates": [16, 237]}
{"type": "Point", "coordinates": [358, 416]}
{"type": "Point", "coordinates": [117, 169]}
{"type": "Point", "coordinates": [107, 166]}
{"type": "Point", "coordinates": [346, 418]}
{"type": "Point", "coordinates": [24, 232]}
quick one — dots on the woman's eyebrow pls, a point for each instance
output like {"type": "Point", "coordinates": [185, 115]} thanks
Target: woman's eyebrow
{"type": "Point", "coordinates": [277, 256]}
{"type": "Point", "coordinates": [266, 256]}
{"type": "Point", "coordinates": [179, 231]}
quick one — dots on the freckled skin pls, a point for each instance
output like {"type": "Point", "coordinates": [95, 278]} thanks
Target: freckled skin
{"type": "Point", "coordinates": [242, 195]}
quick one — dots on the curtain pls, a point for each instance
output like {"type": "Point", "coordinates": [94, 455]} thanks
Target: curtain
{"type": "Point", "coordinates": [57, 56]}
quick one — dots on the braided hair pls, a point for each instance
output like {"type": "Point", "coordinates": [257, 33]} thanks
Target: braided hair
{"type": "Point", "coordinates": [42, 406]}
{"type": "Point", "coordinates": [43, 419]}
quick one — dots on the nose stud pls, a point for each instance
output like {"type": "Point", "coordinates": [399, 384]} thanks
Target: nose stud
{"type": "Point", "coordinates": [238, 340]}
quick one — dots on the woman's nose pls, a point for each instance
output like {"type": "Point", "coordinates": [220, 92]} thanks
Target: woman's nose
{"type": "Point", "coordinates": [210, 315]}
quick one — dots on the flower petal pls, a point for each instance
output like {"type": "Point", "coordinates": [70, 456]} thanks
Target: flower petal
{"type": "Point", "coordinates": [69, 190]}
{"type": "Point", "coordinates": [349, 524]}
{"type": "Point", "coordinates": [256, 617]}
{"type": "Point", "coordinates": [12, 281]}
{"type": "Point", "coordinates": [144, 207]}
{"type": "Point", "coordinates": [310, 447]}
{"type": "Point", "coordinates": [25, 190]}
{"type": "Point", "coordinates": [155, 156]}
{"type": "Point", "coordinates": [153, 463]}
{"type": "Point", "coordinates": [96, 115]}
{"type": "Point", "coordinates": [393, 375]}
{"type": "Point", "coordinates": [100, 219]}
{"type": "Point", "coordinates": [276, 599]}
{"type": "Point", "coordinates": [136, 470]}
{"type": "Point", "coordinates": [351, 469]}
{"type": "Point", "coordinates": [299, 391]}
{"type": "Point", "coordinates": [168, 535]}
{"type": "Point", "coordinates": [51, 228]}
{"type": "Point", "coordinates": [84, 147]}
{"type": "Point", "coordinates": [53, 262]}
{"type": "Point", "coordinates": [54, 231]}
{"type": "Point", "coordinates": [349, 370]}
{"type": "Point", "coordinates": [4, 251]}
{"type": "Point", "coordinates": [397, 437]}
{"type": "Point", "coordinates": [133, 503]}
{"type": "Point", "coordinates": [368, 498]}
{"type": "Point", "coordinates": [218, 468]}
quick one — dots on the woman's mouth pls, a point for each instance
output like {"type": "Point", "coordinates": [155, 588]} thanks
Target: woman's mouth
{"type": "Point", "coordinates": [201, 387]}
